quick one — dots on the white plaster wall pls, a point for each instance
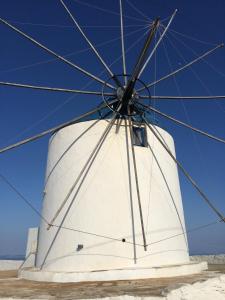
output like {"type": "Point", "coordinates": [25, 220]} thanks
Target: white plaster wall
{"type": "Point", "coordinates": [6, 265]}
{"type": "Point", "coordinates": [103, 205]}
{"type": "Point", "coordinates": [31, 247]}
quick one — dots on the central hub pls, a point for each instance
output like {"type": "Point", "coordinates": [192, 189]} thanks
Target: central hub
{"type": "Point", "coordinates": [127, 95]}
{"type": "Point", "coordinates": [120, 93]}
{"type": "Point", "coordinates": [127, 100]}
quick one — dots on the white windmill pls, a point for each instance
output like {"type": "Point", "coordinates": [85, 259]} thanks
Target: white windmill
{"type": "Point", "coordinates": [96, 215]}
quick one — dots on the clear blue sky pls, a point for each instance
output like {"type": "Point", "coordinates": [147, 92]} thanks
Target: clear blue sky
{"type": "Point", "coordinates": [26, 112]}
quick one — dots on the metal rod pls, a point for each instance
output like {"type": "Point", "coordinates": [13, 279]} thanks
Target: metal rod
{"type": "Point", "coordinates": [77, 178]}
{"type": "Point", "coordinates": [108, 11]}
{"type": "Point", "coordinates": [66, 228]}
{"type": "Point", "coordinates": [106, 132]}
{"type": "Point", "coordinates": [158, 42]}
{"type": "Point", "coordinates": [142, 56]}
{"type": "Point", "coordinates": [182, 68]}
{"type": "Point", "coordinates": [97, 235]}
{"type": "Point", "coordinates": [13, 188]}
{"type": "Point", "coordinates": [54, 53]}
{"type": "Point", "coordinates": [169, 190]}
{"type": "Point", "coordinates": [52, 89]}
{"type": "Point", "coordinates": [122, 42]}
{"type": "Point", "coordinates": [187, 175]}
{"type": "Point", "coordinates": [138, 11]}
{"type": "Point", "coordinates": [90, 44]}
{"type": "Point", "coordinates": [119, 121]}
{"type": "Point", "coordinates": [135, 73]}
{"type": "Point", "coordinates": [130, 192]}
{"type": "Point", "coordinates": [67, 149]}
{"type": "Point", "coordinates": [167, 186]}
{"type": "Point", "coordinates": [53, 129]}
{"type": "Point", "coordinates": [184, 124]}
{"type": "Point", "coordinates": [187, 231]}
{"type": "Point", "coordinates": [182, 97]}
{"type": "Point", "coordinates": [137, 184]}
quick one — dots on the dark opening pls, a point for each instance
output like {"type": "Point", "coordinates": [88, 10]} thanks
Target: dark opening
{"type": "Point", "coordinates": [139, 136]}
{"type": "Point", "coordinates": [80, 247]}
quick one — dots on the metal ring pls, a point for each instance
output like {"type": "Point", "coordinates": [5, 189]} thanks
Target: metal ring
{"type": "Point", "coordinates": [133, 101]}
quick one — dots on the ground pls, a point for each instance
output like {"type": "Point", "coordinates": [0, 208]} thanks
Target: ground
{"type": "Point", "coordinates": [12, 287]}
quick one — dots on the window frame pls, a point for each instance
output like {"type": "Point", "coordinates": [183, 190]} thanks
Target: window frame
{"type": "Point", "coordinates": [139, 131]}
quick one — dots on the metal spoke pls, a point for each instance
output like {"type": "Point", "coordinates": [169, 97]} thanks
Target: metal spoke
{"type": "Point", "coordinates": [158, 42]}
{"type": "Point", "coordinates": [142, 56]}
{"type": "Point", "coordinates": [78, 177]}
{"type": "Point", "coordinates": [54, 53]}
{"type": "Point", "coordinates": [184, 67]}
{"type": "Point", "coordinates": [108, 11]}
{"type": "Point", "coordinates": [90, 44]}
{"type": "Point", "coordinates": [67, 149]}
{"type": "Point", "coordinates": [184, 124]}
{"type": "Point", "coordinates": [130, 192]}
{"type": "Point", "coordinates": [122, 42]}
{"type": "Point", "coordinates": [104, 135]}
{"type": "Point", "coordinates": [187, 175]}
{"type": "Point", "coordinates": [140, 61]}
{"type": "Point", "coordinates": [53, 129]}
{"type": "Point", "coordinates": [169, 190]}
{"type": "Point", "coordinates": [138, 11]}
{"type": "Point", "coordinates": [118, 124]}
{"type": "Point", "coordinates": [52, 89]}
{"type": "Point", "coordinates": [182, 97]}
{"type": "Point", "coordinates": [18, 193]}
{"type": "Point", "coordinates": [186, 232]}
{"type": "Point", "coordinates": [28, 202]}
{"type": "Point", "coordinates": [137, 184]}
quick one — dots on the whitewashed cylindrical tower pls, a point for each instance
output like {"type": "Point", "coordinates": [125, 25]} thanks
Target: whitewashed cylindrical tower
{"type": "Point", "coordinates": [102, 230]}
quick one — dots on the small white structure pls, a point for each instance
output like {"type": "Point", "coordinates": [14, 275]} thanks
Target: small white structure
{"type": "Point", "coordinates": [31, 249]}
{"type": "Point", "coordinates": [102, 230]}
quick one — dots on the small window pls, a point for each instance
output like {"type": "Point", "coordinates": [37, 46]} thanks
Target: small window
{"type": "Point", "coordinates": [79, 247]}
{"type": "Point", "coordinates": [139, 136]}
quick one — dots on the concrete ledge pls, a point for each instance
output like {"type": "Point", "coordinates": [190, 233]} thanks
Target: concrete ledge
{"type": "Point", "coordinates": [6, 265]}
{"type": "Point", "coordinates": [110, 275]}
